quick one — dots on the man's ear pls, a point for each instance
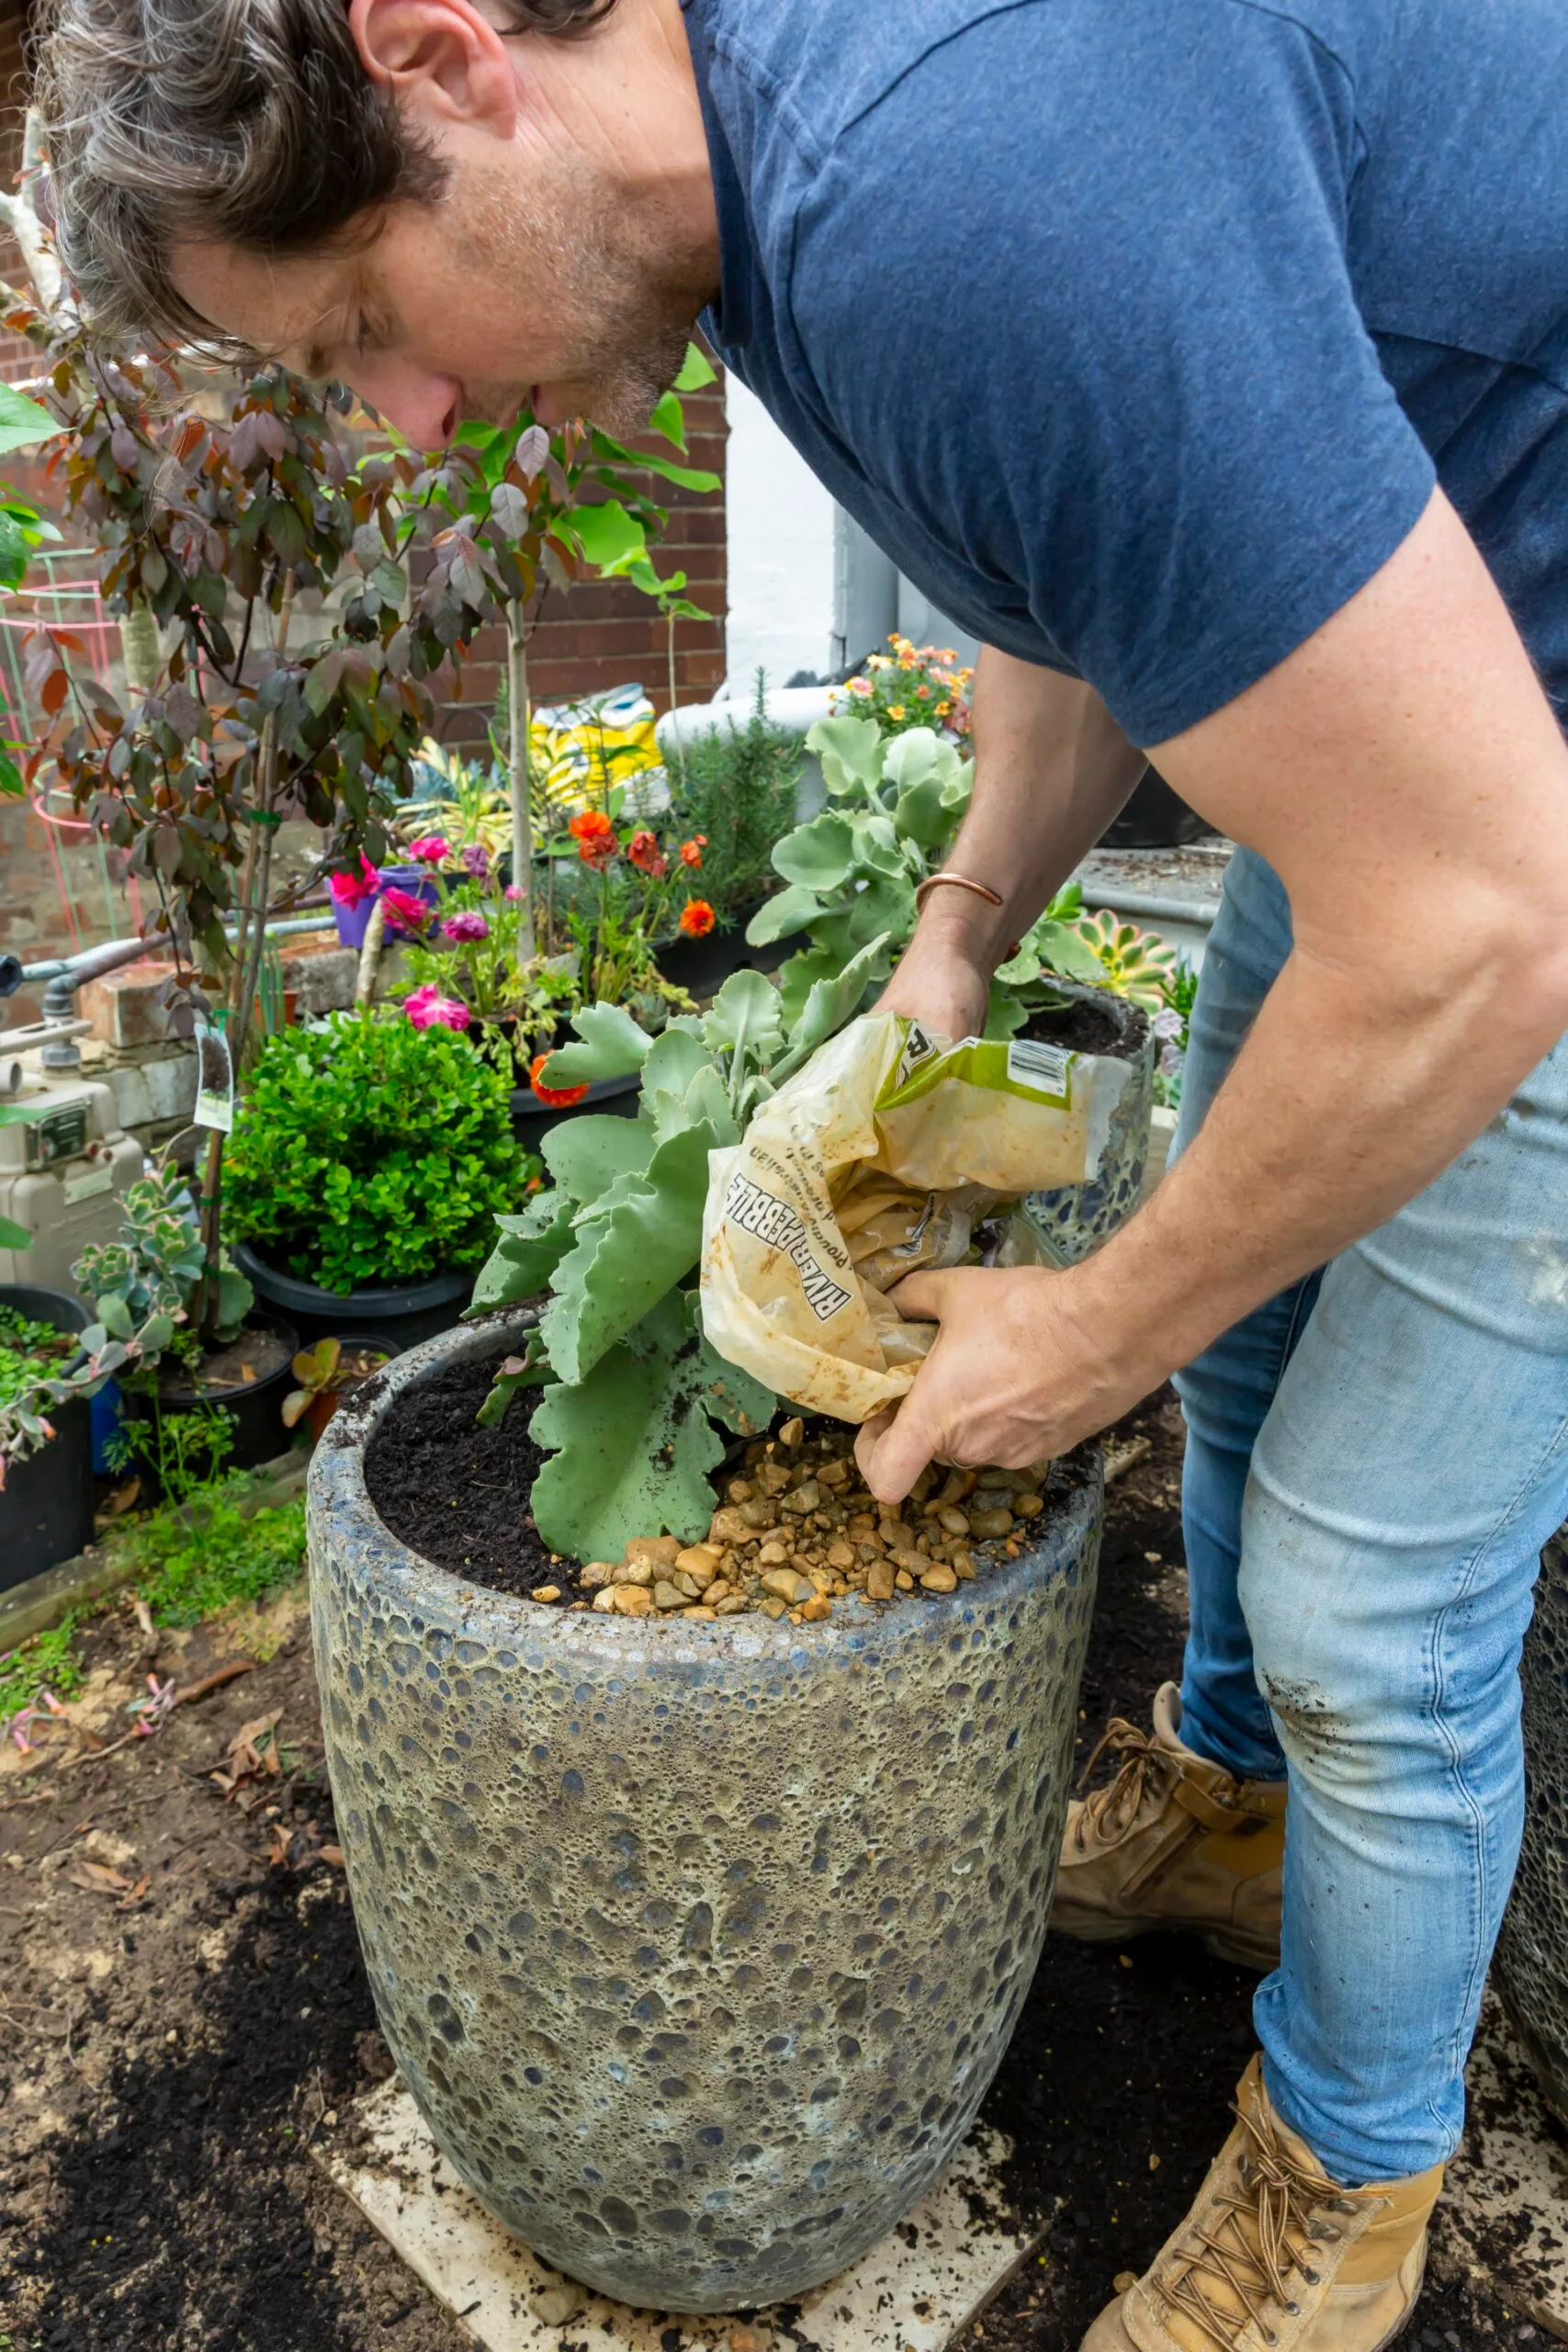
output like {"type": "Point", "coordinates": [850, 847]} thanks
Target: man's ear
{"type": "Point", "coordinates": [440, 59]}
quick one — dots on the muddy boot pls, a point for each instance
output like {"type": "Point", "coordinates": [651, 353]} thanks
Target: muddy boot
{"type": "Point", "coordinates": [1174, 1842]}
{"type": "Point", "coordinates": [1274, 2254]}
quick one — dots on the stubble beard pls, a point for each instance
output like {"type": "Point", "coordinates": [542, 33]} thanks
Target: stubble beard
{"type": "Point", "coordinates": [607, 283]}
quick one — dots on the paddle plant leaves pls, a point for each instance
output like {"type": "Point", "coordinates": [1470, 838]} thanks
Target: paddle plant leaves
{"type": "Point", "coordinates": [634, 1442]}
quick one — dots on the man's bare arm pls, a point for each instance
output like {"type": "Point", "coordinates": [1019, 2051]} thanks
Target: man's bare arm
{"type": "Point", "coordinates": [1052, 768]}
{"type": "Point", "coordinates": [1406, 777]}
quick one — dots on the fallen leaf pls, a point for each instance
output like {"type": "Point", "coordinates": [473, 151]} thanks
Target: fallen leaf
{"type": "Point", "coordinates": [98, 1877]}
{"type": "Point", "coordinates": [332, 1854]}
{"type": "Point", "coordinates": [129, 1902]}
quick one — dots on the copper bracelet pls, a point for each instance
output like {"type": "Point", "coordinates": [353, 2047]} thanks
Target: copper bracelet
{"type": "Point", "coordinates": [962, 882]}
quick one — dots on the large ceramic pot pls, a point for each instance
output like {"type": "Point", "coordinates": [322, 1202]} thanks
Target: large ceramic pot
{"type": "Point", "coordinates": [698, 1945]}
{"type": "Point", "coordinates": [1531, 1967]}
{"type": "Point", "coordinates": [1075, 1218]}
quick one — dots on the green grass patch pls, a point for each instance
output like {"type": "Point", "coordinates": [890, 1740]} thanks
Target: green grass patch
{"type": "Point", "coordinates": [197, 1559]}
{"type": "Point", "coordinates": [47, 1661]}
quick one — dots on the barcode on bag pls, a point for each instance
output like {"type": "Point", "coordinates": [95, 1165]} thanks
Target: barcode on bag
{"type": "Point", "coordinates": [1032, 1064]}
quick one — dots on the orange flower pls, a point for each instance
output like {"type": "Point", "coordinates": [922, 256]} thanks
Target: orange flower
{"type": "Point", "coordinates": [644, 853]}
{"type": "Point", "coordinates": [554, 1098]}
{"type": "Point", "coordinates": [595, 836]}
{"type": "Point", "coordinates": [691, 851]}
{"type": "Point", "coordinates": [698, 919]}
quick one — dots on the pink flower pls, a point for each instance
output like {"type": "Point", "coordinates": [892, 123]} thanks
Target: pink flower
{"type": "Point", "coordinates": [431, 849]}
{"type": "Point", "coordinates": [466, 925]}
{"type": "Point", "coordinates": [404, 911]}
{"type": "Point", "coordinates": [476, 861]}
{"type": "Point", "coordinates": [428, 1009]}
{"type": "Point", "coordinates": [353, 890]}
{"type": "Point", "coordinates": [516, 893]}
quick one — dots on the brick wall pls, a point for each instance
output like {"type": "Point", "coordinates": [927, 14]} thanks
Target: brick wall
{"type": "Point", "coordinates": [55, 892]}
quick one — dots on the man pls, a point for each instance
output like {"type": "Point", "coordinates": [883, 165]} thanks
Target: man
{"type": "Point", "coordinates": [1210, 361]}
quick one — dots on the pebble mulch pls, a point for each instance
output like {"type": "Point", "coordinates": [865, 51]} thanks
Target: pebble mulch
{"type": "Point", "coordinates": [799, 1535]}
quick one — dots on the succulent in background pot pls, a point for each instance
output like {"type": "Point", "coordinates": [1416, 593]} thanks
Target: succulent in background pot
{"type": "Point", "coordinates": [327, 1372]}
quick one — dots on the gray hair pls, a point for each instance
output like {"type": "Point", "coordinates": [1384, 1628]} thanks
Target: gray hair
{"type": "Point", "coordinates": [250, 123]}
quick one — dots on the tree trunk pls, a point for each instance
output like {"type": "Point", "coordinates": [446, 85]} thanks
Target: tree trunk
{"type": "Point", "coordinates": [519, 717]}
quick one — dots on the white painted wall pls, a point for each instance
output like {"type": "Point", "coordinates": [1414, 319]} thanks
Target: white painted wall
{"type": "Point", "coordinates": [780, 532]}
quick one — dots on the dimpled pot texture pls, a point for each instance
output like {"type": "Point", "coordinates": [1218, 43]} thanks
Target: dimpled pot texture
{"type": "Point", "coordinates": [697, 1944]}
{"type": "Point", "coordinates": [1531, 1968]}
{"type": "Point", "coordinates": [1075, 1218]}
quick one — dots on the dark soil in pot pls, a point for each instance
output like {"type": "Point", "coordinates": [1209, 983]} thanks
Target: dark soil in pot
{"type": "Point", "coordinates": [532, 1120]}
{"type": "Point", "coordinates": [248, 1379]}
{"type": "Point", "coordinates": [1087, 1027]}
{"type": "Point", "coordinates": [702, 965]}
{"type": "Point", "coordinates": [784, 1505]}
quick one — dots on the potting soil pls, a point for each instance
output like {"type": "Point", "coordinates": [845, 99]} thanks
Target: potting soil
{"type": "Point", "coordinates": [794, 1532]}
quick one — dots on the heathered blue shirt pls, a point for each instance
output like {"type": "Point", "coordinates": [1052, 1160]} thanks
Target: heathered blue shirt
{"type": "Point", "coordinates": [1137, 330]}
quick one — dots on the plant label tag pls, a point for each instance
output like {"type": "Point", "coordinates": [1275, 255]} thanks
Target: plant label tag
{"type": "Point", "coordinates": [214, 1079]}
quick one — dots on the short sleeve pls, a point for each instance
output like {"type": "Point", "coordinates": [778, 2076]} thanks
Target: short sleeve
{"type": "Point", "coordinates": [1075, 292]}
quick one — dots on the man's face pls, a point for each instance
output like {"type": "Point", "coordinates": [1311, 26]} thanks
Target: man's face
{"type": "Point", "coordinates": [497, 296]}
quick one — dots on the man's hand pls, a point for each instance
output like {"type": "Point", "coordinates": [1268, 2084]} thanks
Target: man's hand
{"type": "Point", "coordinates": [1012, 1379]}
{"type": "Point", "coordinates": [942, 981]}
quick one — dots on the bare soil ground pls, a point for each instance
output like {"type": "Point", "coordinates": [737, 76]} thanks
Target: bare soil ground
{"type": "Point", "coordinates": [184, 2013]}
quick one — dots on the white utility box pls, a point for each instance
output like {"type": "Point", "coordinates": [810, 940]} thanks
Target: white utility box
{"type": "Point", "coordinates": [63, 1165]}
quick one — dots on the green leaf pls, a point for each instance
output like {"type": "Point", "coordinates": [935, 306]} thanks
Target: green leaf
{"type": "Point", "coordinates": [529, 1370]}
{"type": "Point", "coordinates": [830, 1004]}
{"type": "Point", "coordinates": [613, 1046]}
{"type": "Point", "coordinates": [784, 914]}
{"type": "Point", "coordinates": [22, 421]}
{"type": "Point", "coordinates": [817, 854]}
{"type": "Point", "coordinates": [696, 369]}
{"type": "Point", "coordinates": [799, 975]}
{"type": "Point", "coordinates": [587, 1156]}
{"type": "Point", "coordinates": [669, 418]}
{"type": "Point", "coordinates": [115, 1316]}
{"type": "Point", "coordinates": [744, 1017]}
{"type": "Point", "coordinates": [637, 1243]}
{"type": "Point", "coordinates": [851, 753]}
{"type": "Point", "coordinates": [632, 1445]}
{"type": "Point", "coordinates": [1006, 1013]}
{"type": "Point", "coordinates": [646, 462]}
{"type": "Point", "coordinates": [530, 1249]}
{"type": "Point", "coordinates": [14, 1235]}
{"type": "Point", "coordinates": [673, 1061]}
{"type": "Point", "coordinates": [607, 533]}
{"type": "Point", "coordinates": [154, 1337]}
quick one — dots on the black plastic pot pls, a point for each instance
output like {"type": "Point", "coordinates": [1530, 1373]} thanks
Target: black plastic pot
{"type": "Point", "coordinates": [1157, 817]}
{"type": "Point", "coordinates": [396, 1317]}
{"type": "Point", "coordinates": [46, 1504]}
{"type": "Point", "coordinates": [532, 1120]}
{"type": "Point", "coordinates": [255, 1407]}
{"type": "Point", "coordinates": [701, 966]}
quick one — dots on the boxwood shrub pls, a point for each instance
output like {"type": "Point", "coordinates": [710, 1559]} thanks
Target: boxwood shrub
{"type": "Point", "coordinates": [369, 1152]}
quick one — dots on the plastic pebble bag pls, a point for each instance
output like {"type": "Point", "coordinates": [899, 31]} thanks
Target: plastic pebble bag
{"type": "Point", "coordinates": [875, 1161]}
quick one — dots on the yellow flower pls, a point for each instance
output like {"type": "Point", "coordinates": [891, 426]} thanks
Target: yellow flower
{"type": "Point", "coordinates": [895, 710]}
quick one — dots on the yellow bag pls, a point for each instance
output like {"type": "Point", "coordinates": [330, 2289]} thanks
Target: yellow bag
{"type": "Point", "coordinates": [875, 1161]}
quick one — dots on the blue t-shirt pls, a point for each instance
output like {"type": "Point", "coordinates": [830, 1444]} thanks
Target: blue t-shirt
{"type": "Point", "coordinates": [1138, 331]}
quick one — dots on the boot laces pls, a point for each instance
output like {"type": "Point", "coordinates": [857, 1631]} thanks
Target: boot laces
{"type": "Point", "coordinates": [1264, 2233]}
{"type": "Point", "coordinates": [1145, 1771]}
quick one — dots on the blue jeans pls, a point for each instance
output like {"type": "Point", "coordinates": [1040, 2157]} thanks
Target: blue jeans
{"type": "Point", "coordinates": [1374, 1462]}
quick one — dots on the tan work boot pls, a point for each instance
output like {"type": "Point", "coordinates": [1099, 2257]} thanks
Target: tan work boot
{"type": "Point", "coordinates": [1275, 2257]}
{"type": "Point", "coordinates": [1174, 1842]}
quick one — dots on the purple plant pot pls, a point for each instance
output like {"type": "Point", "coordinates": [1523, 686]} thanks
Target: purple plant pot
{"type": "Point", "coordinates": [353, 923]}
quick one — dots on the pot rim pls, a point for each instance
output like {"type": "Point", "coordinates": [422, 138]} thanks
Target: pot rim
{"type": "Point", "coordinates": [336, 1492]}
{"type": "Point", "coordinates": [290, 1290]}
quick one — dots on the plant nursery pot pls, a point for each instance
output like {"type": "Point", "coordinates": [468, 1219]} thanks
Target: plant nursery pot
{"type": "Point", "coordinates": [532, 1120]}
{"type": "Point", "coordinates": [701, 966]}
{"type": "Point", "coordinates": [1075, 1218]}
{"type": "Point", "coordinates": [255, 1407]}
{"type": "Point", "coordinates": [46, 1504]}
{"type": "Point", "coordinates": [1532, 1965]}
{"type": "Point", "coordinates": [398, 1315]}
{"type": "Point", "coordinates": [353, 923]}
{"type": "Point", "coordinates": [1156, 817]}
{"type": "Point", "coordinates": [697, 1944]}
